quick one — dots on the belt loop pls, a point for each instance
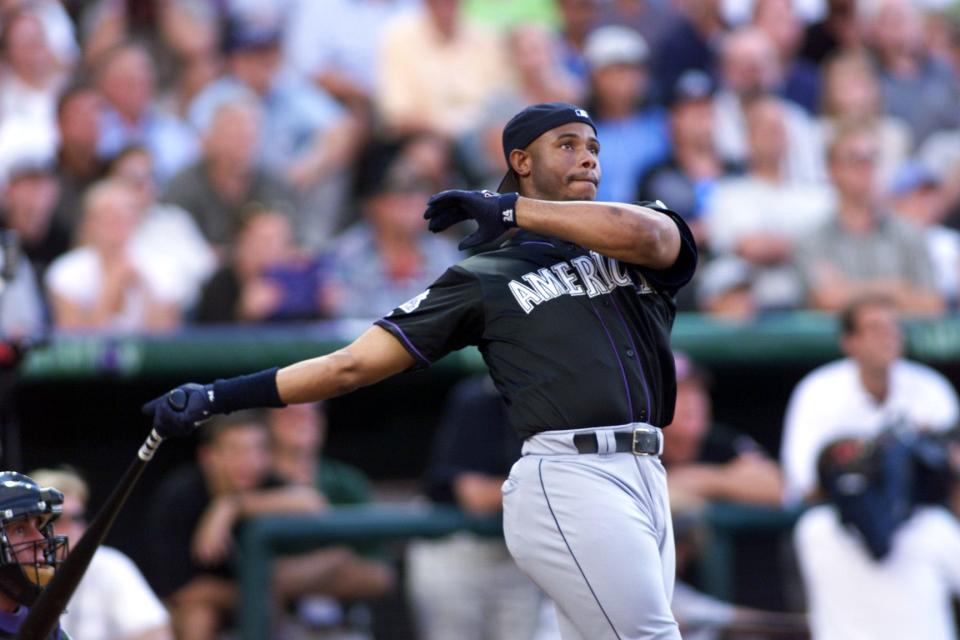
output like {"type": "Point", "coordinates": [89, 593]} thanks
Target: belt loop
{"type": "Point", "coordinates": [606, 442]}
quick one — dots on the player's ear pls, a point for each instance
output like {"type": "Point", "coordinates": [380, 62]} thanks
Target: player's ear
{"type": "Point", "coordinates": [521, 162]}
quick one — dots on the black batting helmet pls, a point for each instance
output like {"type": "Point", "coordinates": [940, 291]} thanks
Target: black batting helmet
{"type": "Point", "coordinates": [27, 566]}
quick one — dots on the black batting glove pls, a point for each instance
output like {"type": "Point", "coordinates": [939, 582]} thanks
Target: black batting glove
{"type": "Point", "coordinates": [179, 411]}
{"type": "Point", "coordinates": [495, 213]}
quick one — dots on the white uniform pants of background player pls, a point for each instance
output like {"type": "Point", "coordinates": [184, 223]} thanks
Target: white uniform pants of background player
{"type": "Point", "coordinates": [594, 532]}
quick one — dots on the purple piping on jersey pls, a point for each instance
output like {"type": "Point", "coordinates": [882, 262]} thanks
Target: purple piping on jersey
{"type": "Point", "coordinates": [406, 341]}
{"type": "Point", "coordinates": [613, 345]}
{"type": "Point", "coordinates": [546, 244]}
{"type": "Point", "coordinates": [643, 378]}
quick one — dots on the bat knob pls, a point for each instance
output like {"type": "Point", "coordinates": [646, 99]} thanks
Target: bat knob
{"type": "Point", "coordinates": [177, 399]}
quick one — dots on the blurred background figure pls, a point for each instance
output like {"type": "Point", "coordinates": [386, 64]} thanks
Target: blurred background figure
{"type": "Point", "coordinates": [800, 79]}
{"type": "Point", "coordinates": [851, 95]}
{"type": "Point", "coordinates": [266, 277]}
{"type": "Point", "coordinates": [758, 218]}
{"type": "Point", "coordinates": [389, 255]}
{"type": "Point", "coordinates": [688, 175]}
{"type": "Point", "coordinates": [749, 67]}
{"type": "Point", "coordinates": [632, 133]}
{"type": "Point", "coordinates": [577, 19]}
{"type": "Point", "coordinates": [871, 388]}
{"type": "Point", "coordinates": [435, 71]}
{"type": "Point", "coordinates": [464, 585]}
{"type": "Point", "coordinates": [227, 177]}
{"type": "Point", "coordinates": [297, 437]}
{"type": "Point", "coordinates": [336, 44]}
{"type": "Point", "coordinates": [853, 588]}
{"type": "Point", "coordinates": [103, 284]}
{"type": "Point", "coordinates": [917, 195]}
{"type": "Point", "coordinates": [690, 42]}
{"type": "Point", "coordinates": [916, 87]}
{"type": "Point", "coordinates": [166, 237]}
{"type": "Point", "coordinates": [113, 600]}
{"type": "Point", "coordinates": [78, 163]}
{"type": "Point", "coordinates": [30, 80]}
{"type": "Point", "coordinates": [126, 77]}
{"type": "Point", "coordinates": [312, 140]}
{"type": "Point", "coordinates": [864, 247]}
{"type": "Point", "coordinates": [710, 461]}
{"type": "Point", "coordinates": [192, 522]}
{"type": "Point", "coordinates": [839, 30]}
{"type": "Point", "coordinates": [30, 198]}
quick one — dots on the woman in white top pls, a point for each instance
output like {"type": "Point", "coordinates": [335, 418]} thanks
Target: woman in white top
{"type": "Point", "coordinates": [102, 284]}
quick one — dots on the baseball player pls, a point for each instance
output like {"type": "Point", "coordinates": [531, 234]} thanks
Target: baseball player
{"type": "Point", "coordinates": [572, 315]}
{"type": "Point", "coordinates": [29, 551]}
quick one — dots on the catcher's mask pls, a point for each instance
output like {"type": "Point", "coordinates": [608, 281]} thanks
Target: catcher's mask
{"type": "Point", "coordinates": [27, 566]}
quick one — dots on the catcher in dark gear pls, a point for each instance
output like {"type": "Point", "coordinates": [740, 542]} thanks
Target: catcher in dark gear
{"type": "Point", "coordinates": [29, 551]}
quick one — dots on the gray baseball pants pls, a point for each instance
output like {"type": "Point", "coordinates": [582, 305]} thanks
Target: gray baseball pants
{"type": "Point", "coordinates": [594, 532]}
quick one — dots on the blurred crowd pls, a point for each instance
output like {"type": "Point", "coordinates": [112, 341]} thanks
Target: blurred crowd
{"type": "Point", "coordinates": [171, 162]}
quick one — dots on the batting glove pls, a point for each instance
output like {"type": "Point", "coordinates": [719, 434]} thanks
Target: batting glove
{"type": "Point", "coordinates": [180, 411]}
{"type": "Point", "coordinates": [495, 213]}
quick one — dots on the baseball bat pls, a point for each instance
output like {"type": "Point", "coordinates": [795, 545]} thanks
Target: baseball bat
{"type": "Point", "coordinates": [45, 612]}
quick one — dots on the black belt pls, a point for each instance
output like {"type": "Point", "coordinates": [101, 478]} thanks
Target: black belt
{"type": "Point", "coordinates": [642, 441]}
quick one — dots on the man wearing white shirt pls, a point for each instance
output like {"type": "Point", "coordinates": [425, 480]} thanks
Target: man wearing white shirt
{"type": "Point", "coordinates": [872, 388]}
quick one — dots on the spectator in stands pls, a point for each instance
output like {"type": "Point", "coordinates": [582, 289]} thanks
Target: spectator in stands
{"type": "Point", "coordinates": [336, 43]}
{"type": "Point", "coordinates": [801, 79]}
{"type": "Point", "coordinates": [871, 388]}
{"type": "Point", "coordinates": [758, 218]}
{"type": "Point", "coordinates": [534, 51]}
{"type": "Point", "coordinates": [78, 165]}
{"type": "Point", "coordinates": [191, 32]}
{"type": "Point", "coordinates": [686, 178]}
{"type": "Point", "coordinates": [193, 564]}
{"type": "Point", "coordinates": [839, 30]}
{"type": "Point", "coordinates": [465, 585]}
{"type": "Point", "coordinates": [29, 83]}
{"type": "Point", "coordinates": [436, 70]}
{"type": "Point", "coordinates": [690, 43]}
{"type": "Point", "coordinates": [389, 255]}
{"type": "Point", "coordinates": [851, 93]}
{"type": "Point", "coordinates": [750, 67]}
{"type": "Point", "coordinates": [634, 134]}
{"type": "Point", "coordinates": [850, 593]}
{"type": "Point", "coordinates": [652, 19]}
{"type": "Point", "coordinates": [102, 283]}
{"type": "Point", "coordinates": [917, 195]}
{"type": "Point", "coordinates": [126, 77]}
{"type": "Point", "coordinates": [710, 461]}
{"type": "Point", "coordinates": [577, 19]}
{"type": "Point", "coordinates": [917, 88]}
{"type": "Point", "coordinates": [29, 200]}
{"type": "Point", "coordinates": [266, 278]}
{"type": "Point", "coordinates": [863, 247]}
{"type": "Point", "coordinates": [297, 437]}
{"type": "Point", "coordinates": [311, 138]}
{"type": "Point", "coordinates": [113, 600]}
{"type": "Point", "coordinates": [227, 178]}
{"type": "Point", "coordinates": [22, 310]}
{"type": "Point", "coordinates": [167, 238]}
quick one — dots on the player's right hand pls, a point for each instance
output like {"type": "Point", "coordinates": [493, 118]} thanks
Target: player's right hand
{"type": "Point", "coordinates": [179, 411]}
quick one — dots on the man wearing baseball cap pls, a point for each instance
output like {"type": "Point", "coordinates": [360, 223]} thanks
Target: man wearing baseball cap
{"type": "Point", "coordinates": [572, 314]}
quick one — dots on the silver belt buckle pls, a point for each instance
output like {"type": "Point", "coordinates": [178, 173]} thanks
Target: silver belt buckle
{"type": "Point", "coordinates": [641, 441]}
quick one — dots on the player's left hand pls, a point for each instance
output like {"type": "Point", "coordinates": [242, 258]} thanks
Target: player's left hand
{"type": "Point", "coordinates": [180, 411]}
{"type": "Point", "coordinates": [495, 213]}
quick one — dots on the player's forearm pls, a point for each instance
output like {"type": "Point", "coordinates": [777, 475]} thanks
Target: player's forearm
{"type": "Point", "coordinates": [629, 233]}
{"type": "Point", "coordinates": [372, 357]}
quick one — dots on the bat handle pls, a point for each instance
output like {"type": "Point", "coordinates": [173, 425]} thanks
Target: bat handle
{"type": "Point", "coordinates": [150, 446]}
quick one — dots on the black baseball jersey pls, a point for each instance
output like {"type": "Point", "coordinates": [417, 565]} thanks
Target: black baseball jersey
{"type": "Point", "coordinates": [571, 338]}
